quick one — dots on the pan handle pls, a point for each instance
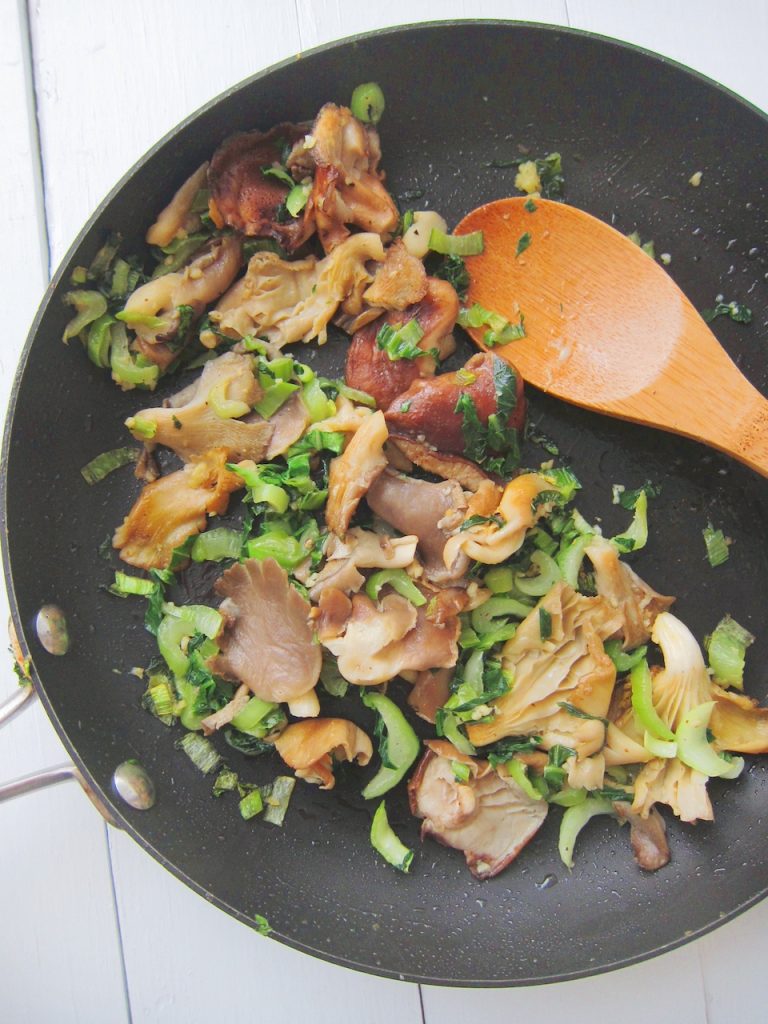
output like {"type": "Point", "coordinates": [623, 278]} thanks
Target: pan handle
{"type": "Point", "coordinates": [13, 706]}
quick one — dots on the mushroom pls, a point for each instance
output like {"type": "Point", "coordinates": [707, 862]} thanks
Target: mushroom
{"type": "Point", "coordinates": [175, 218]}
{"type": "Point", "coordinates": [310, 747]}
{"type": "Point", "coordinates": [352, 473]}
{"type": "Point", "coordinates": [518, 511]}
{"type": "Point", "coordinates": [427, 410]}
{"type": "Point", "coordinates": [430, 691]}
{"type": "Point", "coordinates": [624, 590]}
{"type": "Point", "coordinates": [449, 467]}
{"type": "Point", "coordinates": [267, 642]}
{"type": "Point", "coordinates": [360, 549]}
{"type": "Point", "coordinates": [245, 198]}
{"type": "Point", "coordinates": [190, 425]}
{"type": "Point", "coordinates": [380, 641]}
{"type": "Point", "coordinates": [570, 666]}
{"type": "Point", "coordinates": [173, 508]}
{"type": "Point", "coordinates": [370, 369]}
{"type": "Point", "coordinates": [348, 187]}
{"type": "Point", "coordinates": [285, 302]}
{"type": "Point", "coordinates": [201, 282]}
{"type": "Point", "coordinates": [288, 424]}
{"type": "Point", "coordinates": [421, 508]}
{"type": "Point", "coordinates": [648, 837]}
{"type": "Point", "coordinates": [488, 817]}
{"type": "Point", "coordinates": [399, 282]}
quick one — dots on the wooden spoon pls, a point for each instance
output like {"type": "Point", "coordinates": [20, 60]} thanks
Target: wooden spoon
{"type": "Point", "coordinates": [607, 328]}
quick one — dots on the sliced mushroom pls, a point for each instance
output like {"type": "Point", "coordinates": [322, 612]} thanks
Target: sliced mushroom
{"type": "Point", "coordinates": [370, 369]}
{"type": "Point", "coordinates": [348, 187]}
{"type": "Point", "coordinates": [380, 641]}
{"type": "Point", "coordinates": [648, 837]}
{"type": "Point", "coordinates": [174, 508]}
{"type": "Point", "coordinates": [570, 666]}
{"type": "Point", "coordinates": [400, 280]}
{"type": "Point", "coordinates": [427, 410]}
{"type": "Point", "coordinates": [352, 473]}
{"type": "Point", "coordinates": [192, 428]}
{"type": "Point", "coordinates": [430, 691]}
{"type": "Point", "coordinates": [175, 217]}
{"type": "Point", "coordinates": [518, 511]}
{"type": "Point", "coordinates": [418, 507]}
{"type": "Point", "coordinates": [624, 590]}
{"type": "Point", "coordinates": [286, 302]}
{"type": "Point", "coordinates": [245, 198]}
{"type": "Point", "coordinates": [360, 549]}
{"type": "Point", "coordinates": [309, 747]}
{"type": "Point", "coordinates": [288, 424]}
{"type": "Point", "coordinates": [201, 282]}
{"type": "Point", "coordinates": [489, 817]}
{"type": "Point", "coordinates": [267, 642]}
{"type": "Point", "coordinates": [449, 467]}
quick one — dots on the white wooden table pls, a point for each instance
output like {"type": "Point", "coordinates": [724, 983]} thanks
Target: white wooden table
{"type": "Point", "coordinates": [92, 929]}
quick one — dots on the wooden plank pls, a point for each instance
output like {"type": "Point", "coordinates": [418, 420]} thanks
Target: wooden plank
{"type": "Point", "coordinates": [201, 964]}
{"type": "Point", "coordinates": [53, 854]}
{"type": "Point", "coordinates": [321, 21]}
{"type": "Point", "coordinates": [665, 989]}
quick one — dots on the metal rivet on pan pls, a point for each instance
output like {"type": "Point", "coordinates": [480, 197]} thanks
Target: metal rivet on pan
{"type": "Point", "coordinates": [133, 785]}
{"type": "Point", "coordinates": [51, 629]}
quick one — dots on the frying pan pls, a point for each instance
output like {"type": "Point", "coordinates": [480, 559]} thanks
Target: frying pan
{"type": "Point", "coordinates": [631, 128]}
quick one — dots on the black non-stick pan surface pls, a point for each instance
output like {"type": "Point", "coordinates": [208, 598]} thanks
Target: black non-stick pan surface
{"type": "Point", "coordinates": [463, 100]}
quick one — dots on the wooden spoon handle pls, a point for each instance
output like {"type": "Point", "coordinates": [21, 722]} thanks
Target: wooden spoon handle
{"type": "Point", "coordinates": [743, 429]}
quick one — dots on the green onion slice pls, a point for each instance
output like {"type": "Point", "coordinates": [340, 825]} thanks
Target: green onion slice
{"type": "Point", "coordinates": [200, 751]}
{"type": "Point", "coordinates": [727, 648]}
{"type": "Point", "coordinates": [385, 842]}
{"type": "Point", "coordinates": [107, 463]}
{"type": "Point", "coordinates": [716, 545]}
{"type": "Point", "coordinates": [456, 245]}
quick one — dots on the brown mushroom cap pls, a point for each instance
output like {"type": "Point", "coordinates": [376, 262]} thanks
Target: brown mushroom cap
{"type": "Point", "coordinates": [309, 747]}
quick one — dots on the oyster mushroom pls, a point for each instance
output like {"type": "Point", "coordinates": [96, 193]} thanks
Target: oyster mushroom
{"type": "Point", "coordinates": [449, 467]}
{"type": "Point", "coordinates": [267, 642]}
{"type": "Point", "coordinates": [352, 473]}
{"type": "Point", "coordinates": [174, 508]}
{"type": "Point", "coordinates": [201, 282]}
{"type": "Point", "coordinates": [624, 590]}
{"type": "Point", "coordinates": [286, 302]}
{"type": "Point", "coordinates": [244, 198]}
{"type": "Point", "coordinates": [370, 369]}
{"type": "Point", "coordinates": [310, 747]}
{"type": "Point", "coordinates": [360, 549]}
{"type": "Point", "coordinates": [190, 426]}
{"type": "Point", "coordinates": [176, 215]}
{"type": "Point", "coordinates": [489, 817]}
{"type": "Point", "coordinates": [348, 188]}
{"type": "Point", "coordinates": [423, 509]}
{"type": "Point", "coordinates": [400, 280]}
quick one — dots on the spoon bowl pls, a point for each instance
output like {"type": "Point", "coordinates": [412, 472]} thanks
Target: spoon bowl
{"type": "Point", "coordinates": [607, 328]}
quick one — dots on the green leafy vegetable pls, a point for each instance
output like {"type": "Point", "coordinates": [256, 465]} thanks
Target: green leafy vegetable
{"type": "Point", "coordinates": [400, 582]}
{"type": "Point", "coordinates": [453, 270]}
{"type": "Point", "coordinates": [398, 744]}
{"type": "Point", "coordinates": [726, 647]}
{"type": "Point", "coordinates": [107, 463]}
{"type": "Point", "coordinates": [367, 103]}
{"type": "Point", "coordinates": [277, 795]}
{"type": "Point", "coordinates": [716, 545]}
{"type": "Point", "coordinates": [200, 751]}
{"type": "Point", "coordinates": [402, 342]}
{"type": "Point", "coordinates": [500, 332]}
{"type": "Point", "coordinates": [522, 243]}
{"type": "Point", "coordinates": [735, 310]}
{"type": "Point", "coordinates": [385, 842]}
{"type": "Point", "coordinates": [456, 245]}
{"type": "Point", "coordinates": [574, 820]}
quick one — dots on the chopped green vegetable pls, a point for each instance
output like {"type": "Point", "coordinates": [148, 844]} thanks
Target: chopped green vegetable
{"type": "Point", "coordinates": [726, 647]}
{"type": "Point", "coordinates": [333, 682]}
{"type": "Point", "coordinates": [519, 772]}
{"type": "Point", "coordinates": [453, 270]}
{"type": "Point", "coordinates": [574, 820]}
{"type": "Point", "coordinates": [226, 781]}
{"type": "Point", "coordinates": [402, 342]}
{"type": "Point", "coordinates": [716, 545]}
{"type": "Point", "coordinates": [642, 703]}
{"type": "Point", "coordinates": [522, 243]}
{"type": "Point", "coordinates": [263, 926]}
{"type": "Point", "coordinates": [89, 306]}
{"type": "Point", "coordinates": [251, 805]}
{"type": "Point", "coordinates": [624, 660]}
{"type": "Point", "coordinates": [456, 245]}
{"type": "Point", "coordinates": [298, 197]}
{"type": "Point", "coordinates": [503, 750]}
{"type": "Point", "coordinates": [277, 795]}
{"type": "Point", "coordinates": [636, 536]}
{"type": "Point", "coordinates": [99, 341]}
{"type": "Point", "coordinates": [530, 206]}
{"type": "Point", "coordinates": [400, 581]}
{"type": "Point", "coordinates": [545, 624]}
{"type": "Point", "coordinates": [216, 545]}
{"type": "Point", "coordinates": [735, 310]}
{"type": "Point", "coordinates": [461, 771]}
{"type": "Point", "coordinates": [107, 463]}
{"type": "Point", "coordinates": [200, 751]}
{"type": "Point", "coordinates": [127, 371]}
{"type": "Point", "coordinates": [367, 103]}
{"type": "Point", "coordinates": [695, 750]}
{"type": "Point", "coordinates": [398, 744]}
{"type": "Point", "coordinates": [501, 331]}
{"type": "Point", "coordinates": [280, 173]}
{"type": "Point", "coordinates": [385, 842]}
